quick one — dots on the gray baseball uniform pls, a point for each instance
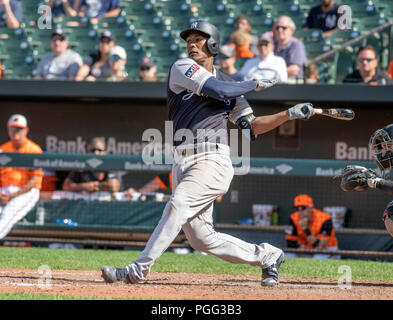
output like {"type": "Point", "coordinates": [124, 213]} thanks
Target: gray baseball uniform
{"type": "Point", "coordinates": [202, 171]}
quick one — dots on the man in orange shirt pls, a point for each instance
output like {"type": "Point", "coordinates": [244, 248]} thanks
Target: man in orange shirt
{"type": "Point", "coordinates": [19, 191]}
{"type": "Point", "coordinates": [310, 228]}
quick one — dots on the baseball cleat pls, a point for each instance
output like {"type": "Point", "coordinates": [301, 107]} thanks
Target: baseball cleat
{"type": "Point", "coordinates": [270, 274]}
{"type": "Point", "coordinates": [113, 274]}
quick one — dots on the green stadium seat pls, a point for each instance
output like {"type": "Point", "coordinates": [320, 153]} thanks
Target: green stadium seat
{"type": "Point", "coordinates": [309, 35]}
{"type": "Point", "coordinates": [345, 64]}
{"type": "Point", "coordinates": [341, 36]}
{"type": "Point", "coordinates": [315, 49]}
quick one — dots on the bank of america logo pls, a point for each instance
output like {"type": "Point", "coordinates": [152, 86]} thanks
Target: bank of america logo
{"type": "Point", "coordinates": [4, 160]}
{"type": "Point", "coordinates": [94, 163]}
{"type": "Point", "coordinates": [284, 168]}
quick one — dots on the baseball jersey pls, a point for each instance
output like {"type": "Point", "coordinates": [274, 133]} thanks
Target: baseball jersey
{"type": "Point", "coordinates": [63, 67]}
{"type": "Point", "coordinates": [205, 117]}
{"type": "Point", "coordinates": [20, 176]}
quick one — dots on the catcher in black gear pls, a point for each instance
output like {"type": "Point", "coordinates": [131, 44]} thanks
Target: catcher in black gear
{"type": "Point", "coordinates": [359, 178]}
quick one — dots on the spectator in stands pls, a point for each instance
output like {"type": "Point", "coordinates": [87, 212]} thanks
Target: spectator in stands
{"type": "Point", "coordinates": [117, 61]}
{"type": "Point", "coordinates": [266, 65]}
{"type": "Point", "coordinates": [60, 64]}
{"type": "Point", "coordinates": [312, 74]}
{"type": "Point", "coordinates": [310, 228]}
{"type": "Point", "coordinates": [147, 70]}
{"type": "Point", "coordinates": [20, 187]}
{"type": "Point", "coordinates": [96, 65]}
{"type": "Point", "coordinates": [226, 60]}
{"type": "Point", "coordinates": [324, 17]}
{"type": "Point", "coordinates": [10, 14]}
{"type": "Point", "coordinates": [92, 181]}
{"type": "Point", "coordinates": [243, 24]}
{"type": "Point", "coordinates": [368, 72]}
{"type": "Point", "coordinates": [289, 48]}
{"type": "Point", "coordinates": [242, 41]}
{"type": "Point", "coordinates": [62, 8]}
{"type": "Point", "coordinates": [95, 9]}
{"type": "Point", "coordinates": [390, 69]}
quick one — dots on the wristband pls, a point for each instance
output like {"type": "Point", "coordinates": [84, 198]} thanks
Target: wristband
{"type": "Point", "coordinates": [372, 183]}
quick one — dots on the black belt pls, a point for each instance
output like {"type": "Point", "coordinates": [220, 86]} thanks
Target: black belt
{"type": "Point", "coordinates": [187, 151]}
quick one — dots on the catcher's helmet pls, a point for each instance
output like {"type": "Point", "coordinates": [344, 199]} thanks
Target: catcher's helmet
{"type": "Point", "coordinates": [388, 218]}
{"type": "Point", "coordinates": [381, 147]}
{"type": "Point", "coordinates": [213, 43]}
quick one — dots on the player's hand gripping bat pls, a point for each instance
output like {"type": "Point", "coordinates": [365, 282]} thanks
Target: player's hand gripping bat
{"type": "Point", "coordinates": [336, 113]}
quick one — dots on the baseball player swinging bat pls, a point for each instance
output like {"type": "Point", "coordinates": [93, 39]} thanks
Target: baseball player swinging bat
{"type": "Point", "coordinates": [336, 113]}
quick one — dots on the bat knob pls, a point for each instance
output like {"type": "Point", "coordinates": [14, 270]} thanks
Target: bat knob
{"type": "Point", "coordinates": [304, 109]}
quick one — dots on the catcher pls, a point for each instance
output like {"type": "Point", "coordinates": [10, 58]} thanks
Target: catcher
{"type": "Point", "coordinates": [360, 178]}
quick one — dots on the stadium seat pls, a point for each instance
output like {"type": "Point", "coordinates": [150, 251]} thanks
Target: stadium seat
{"type": "Point", "coordinates": [309, 35]}
{"type": "Point", "coordinates": [340, 37]}
{"type": "Point", "coordinates": [345, 64]}
{"type": "Point", "coordinates": [317, 48]}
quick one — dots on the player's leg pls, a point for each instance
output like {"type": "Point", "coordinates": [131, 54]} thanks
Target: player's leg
{"type": "Point", "coordinates": [199, 182]}
{"type": "Point", "coordinates": [16, 209]}
{"type": "Point", "coordinates": [202, 236]}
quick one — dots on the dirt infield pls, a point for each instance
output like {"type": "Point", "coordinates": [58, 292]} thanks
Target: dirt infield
{"type": "Point", "coordinates": [188, 286]}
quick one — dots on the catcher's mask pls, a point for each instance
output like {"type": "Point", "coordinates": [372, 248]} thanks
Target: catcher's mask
{"type": "Point", "coordinates": [381, 147]}
{"type": "Point", "coordinates": [388, 218]}
{"type": "Point", "coordinates": [213, 43]}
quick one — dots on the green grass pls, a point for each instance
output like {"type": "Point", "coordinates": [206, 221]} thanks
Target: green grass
{"type": "Point", "coordinates": [59, 259]}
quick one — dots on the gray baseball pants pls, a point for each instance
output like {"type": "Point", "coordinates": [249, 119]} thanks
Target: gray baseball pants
{"type": "Point", "coordinates": [197, 181]}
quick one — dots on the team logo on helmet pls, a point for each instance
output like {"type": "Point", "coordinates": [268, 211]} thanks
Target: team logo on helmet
{"type": "Point", "coordinates": [194, 25]}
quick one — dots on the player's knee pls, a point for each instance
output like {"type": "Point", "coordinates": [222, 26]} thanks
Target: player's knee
{"type": "Point", "coordinates": [203, 242]}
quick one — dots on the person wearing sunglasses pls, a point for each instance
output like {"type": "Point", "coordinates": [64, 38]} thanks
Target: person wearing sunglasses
{"type": "Point", "coordinates": [92, 181]}
{"type": "Point", "coordinates": [117, 61]}
{"type": "Point", "coordinates": [310, 228]}
{"type": "Point", "coordinates": [147, 70]}
{"type": "Point", "coordinates": [367, 69]}
{"type": "Point", "coordinates": [226, 60]}
{"type": "Point", "coordinates": [96, 66]}
{"type": "Point", "coordinates": [60, 64]}
{"type": "Point", "coordinates": [19, 187]}
{"type": "Point", "coordinates": [289, 48]}
{"type": "Point", "coordinates": [267, 65]}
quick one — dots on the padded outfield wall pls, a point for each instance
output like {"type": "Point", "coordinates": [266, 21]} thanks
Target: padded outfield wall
{"type": "Point", "coordinates": [64, 116]}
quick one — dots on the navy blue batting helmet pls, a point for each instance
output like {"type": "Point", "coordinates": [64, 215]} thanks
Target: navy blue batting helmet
{"type": "Point", "coordinates": [213, 43]}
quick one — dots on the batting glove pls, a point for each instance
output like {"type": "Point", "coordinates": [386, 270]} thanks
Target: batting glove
{"type": "Point", "coordinates": [302, 111]}
{"type": "Point", "coordinates": [264, 84]}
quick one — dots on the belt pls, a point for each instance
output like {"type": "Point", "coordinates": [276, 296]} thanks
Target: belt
{"type": "Point", "coordinates": [195, 149]}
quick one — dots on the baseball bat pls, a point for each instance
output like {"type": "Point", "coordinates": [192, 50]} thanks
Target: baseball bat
{"type": "Point", "coordinates": [336, 113]}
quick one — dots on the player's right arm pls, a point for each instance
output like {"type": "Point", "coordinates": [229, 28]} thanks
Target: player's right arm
{"type": "Point", "coordinates": [267, 123]}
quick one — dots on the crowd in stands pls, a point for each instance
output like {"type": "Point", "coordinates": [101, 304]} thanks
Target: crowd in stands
{"type": "Point", "coordinates": [277, 54]}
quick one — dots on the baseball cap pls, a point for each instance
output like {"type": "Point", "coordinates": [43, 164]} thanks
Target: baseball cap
{"type": "Point", "coordinates": [59, 32]}
{"type": "Point", "coordinates": [227, 51]}
{"type": "Point", "coordinates": [17, 120]}
{"type": "Point", "coordinates": [118, 51]}
{"type": "Point", "coordinates": [147, 62]}
{"type": "Point", "coordinates": [267, 36]}
{"type": "Point", "coordinates": [107, 34]}
{"type": "Point", "coordinates": [303, 200]}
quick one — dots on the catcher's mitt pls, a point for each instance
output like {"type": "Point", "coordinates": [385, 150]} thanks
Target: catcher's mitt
{"type": "Point", "coordinates": [355, 178]}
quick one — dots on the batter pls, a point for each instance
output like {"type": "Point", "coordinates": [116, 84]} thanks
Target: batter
{"type": "Point", "coordinates": [201, 99]}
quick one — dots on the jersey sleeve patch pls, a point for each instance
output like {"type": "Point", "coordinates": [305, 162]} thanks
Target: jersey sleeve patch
{"type": "Point", "coordinates": [191, 71]}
